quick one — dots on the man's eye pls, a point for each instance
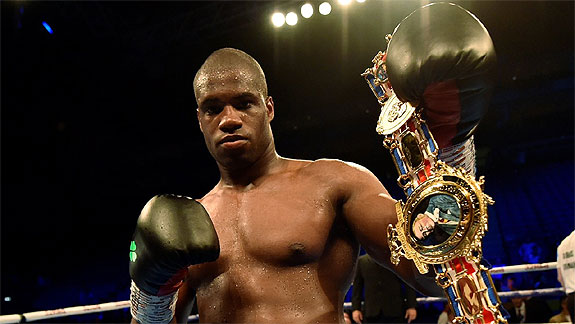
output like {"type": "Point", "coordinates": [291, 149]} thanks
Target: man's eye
{"type": "Point", "coordinates": [212, 110]}
{"type": "Point", "coordinates": [244, 105]}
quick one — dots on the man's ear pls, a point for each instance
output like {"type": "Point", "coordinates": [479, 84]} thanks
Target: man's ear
{"type": "Point", "coordinates": [198, 116]}
{"type": "Point", "coordinates": [270, 108]}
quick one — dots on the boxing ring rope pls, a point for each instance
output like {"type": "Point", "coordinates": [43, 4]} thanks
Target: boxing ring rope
{"type": "Point", "coordinates": [68, 311]}
{"type": "Point", "coordinates": [88, 309]}
{"type": "Point", "coordinates": [524, 268]}
{"type": "Point", "coordinates": [505, 294]}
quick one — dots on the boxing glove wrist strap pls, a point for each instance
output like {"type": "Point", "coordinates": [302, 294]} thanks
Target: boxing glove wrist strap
{"type": "Point", "coordinates": [151, 309]}
{"type": "Point", "coordinates": [460, 155]}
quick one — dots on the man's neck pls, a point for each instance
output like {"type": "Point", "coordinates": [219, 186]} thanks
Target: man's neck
{"type": "Point", "coordinates": [246, 177]}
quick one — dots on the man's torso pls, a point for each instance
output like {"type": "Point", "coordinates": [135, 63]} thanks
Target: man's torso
{"type": "Point", "coordinates": [286, 253]}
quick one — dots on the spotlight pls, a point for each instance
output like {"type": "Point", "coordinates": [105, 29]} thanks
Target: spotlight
{"type": "Point", "coordinates": [291, 18]}
{"type": "Point", "coordinates": [307, 10]}
{"type": "Point", "coordinates": [325, 8]}
{"type": "Point", "coordinates": [48, 28]}
{"type": "Point", "coordinates": [344, 2]}
{"type": "Point", "coordinates": [278, 19]}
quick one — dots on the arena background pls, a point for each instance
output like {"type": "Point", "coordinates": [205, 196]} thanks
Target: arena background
{"type": "Point", "coordinates": [99, 115]}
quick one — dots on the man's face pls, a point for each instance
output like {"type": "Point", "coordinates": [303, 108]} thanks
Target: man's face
{"type": "Point", "coordinates": [423, 227]}
{"type": "Point", "coordinates": [234, 117]}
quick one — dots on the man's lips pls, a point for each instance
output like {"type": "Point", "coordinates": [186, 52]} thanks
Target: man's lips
{"type": "Point", "coordinates": [232, 140]}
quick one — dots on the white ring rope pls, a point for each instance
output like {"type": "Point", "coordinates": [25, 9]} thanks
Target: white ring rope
{"type": "Point", "coordinates": [506, 294]}
{"type": "Point", "coordinates": [524, 268]}
{"type": "Point", "coordinates": [61, 312]}
{"type": "Point", "coordinates": [80, 310]}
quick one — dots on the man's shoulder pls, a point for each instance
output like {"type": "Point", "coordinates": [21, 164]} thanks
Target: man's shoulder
{"type": "Point", "coordinates": [568, 241]}
{"type": "Point", "coordinates": [347, 178]}
{"type": "Point", "coordinates": [316, 163]}
{"type": "Point", "coordinates": [337, 172]}
{"type": "Point", "coordinates": [336, 165]}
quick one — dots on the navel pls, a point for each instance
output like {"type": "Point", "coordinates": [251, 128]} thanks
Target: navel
{"type": "Point", "coordinates": [297, 248]}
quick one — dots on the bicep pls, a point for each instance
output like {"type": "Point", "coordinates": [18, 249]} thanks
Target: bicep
{"type": "Point", "coordinates": [369, 210]}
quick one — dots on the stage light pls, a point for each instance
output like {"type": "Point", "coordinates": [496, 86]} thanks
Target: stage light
{"type": "Point", "coordinates": [325, 8]}
{"type": "Point", "coordinates": [48, 28]}
{"type": "Point", "coordinates": [344, 2]}
{"type": "Point", "coordinates": [291, 18]}
{"type": "Point", "coordinates": [307, 10]}
{"type": "Point", "coordinates": [278, 19]}
{"type": "Point", "coordinates": [7, 298]}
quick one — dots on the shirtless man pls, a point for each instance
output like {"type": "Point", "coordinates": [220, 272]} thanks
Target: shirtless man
{"type": "Point", "coordinates": [289, 230]}
{"type": "Point", "coordinates": [276, 240]}
{"type": "Point", "coordinates": [286, 233]}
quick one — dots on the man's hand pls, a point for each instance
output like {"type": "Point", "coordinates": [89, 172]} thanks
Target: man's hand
{"type": "Point", "coordinates": [410, 314]}
{"type": "Point", "coordinates": [442, 57]}
{"type": "Point", "coordinates": [172, 233]}
{"type": "Point", "coordinates": [346, 318]}
{"type": "Point", "coordinates": [357, 316]}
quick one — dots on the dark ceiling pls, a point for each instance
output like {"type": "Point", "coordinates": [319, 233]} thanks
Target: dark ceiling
{"type": "Point", "coordinates": [100, 115]}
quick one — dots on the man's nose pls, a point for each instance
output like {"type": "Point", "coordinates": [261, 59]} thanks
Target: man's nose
{"type": "Point", "coordinates": [231, 119]}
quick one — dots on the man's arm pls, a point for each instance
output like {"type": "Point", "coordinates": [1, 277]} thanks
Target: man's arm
{"type": "Point", "coordinates": [172, 232]}
{"type": "Point", "coordinates": [559, 266]}
{"type": "Point", "coordinates": [185, 303]}
{"type": "Point", "coordinates": [410, 297]}
{"type": "Point", "coordinates": [368, 209]}
{"type": "Point", "coordinates": [356, 294]}
{"type": "Point", "coordinates": [411, 312]}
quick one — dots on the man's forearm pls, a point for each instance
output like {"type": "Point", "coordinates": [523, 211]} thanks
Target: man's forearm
{"type": "Point", "coordinates": [355, 301]}
{"type": "Point", "coordinates": [410, 297]}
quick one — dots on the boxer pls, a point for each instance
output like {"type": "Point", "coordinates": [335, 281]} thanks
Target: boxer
{"type": "Point", "coordinates": [286, 233]}
{"type": "Point", "coordinates": [288, 230]}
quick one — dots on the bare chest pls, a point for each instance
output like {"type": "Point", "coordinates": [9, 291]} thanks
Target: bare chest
{"type": "Point", "coordinates": [268, 226]}
{"type": "Point", "coordinates": [284, 252]}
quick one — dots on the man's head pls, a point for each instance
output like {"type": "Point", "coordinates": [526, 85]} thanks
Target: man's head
{"type": "Point", "coordinates": [234, 109]}
{"type": "Point", "coordinates": [511, 284]}
{"type": "Point", "coordinates": [422, 226]}
{"type": "Point", "coordinates": [225, 61]}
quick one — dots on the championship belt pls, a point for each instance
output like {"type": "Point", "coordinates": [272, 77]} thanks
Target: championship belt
{"type": "Point", "coordinates": [445, 217]}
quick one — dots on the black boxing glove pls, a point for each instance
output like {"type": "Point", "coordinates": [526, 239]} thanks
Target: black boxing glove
{"type": "Point", "coordinates": [440, 57]}
{"type": "Point", "coordinates": [172, 233]}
